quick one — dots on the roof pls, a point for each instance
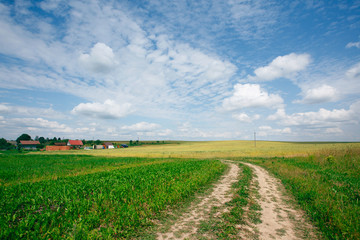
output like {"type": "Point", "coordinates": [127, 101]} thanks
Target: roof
{"type": "Point", "coordinates": [29, 142]}
{"type": "Point", "coordinates": [108, 143]}
{"type": "Point", "coordinates": [76, 142]}
{"type": "Point", "coordinates": [60, 144]}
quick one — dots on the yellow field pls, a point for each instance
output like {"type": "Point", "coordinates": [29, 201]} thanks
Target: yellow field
{"type": "Point", "coordinates": [218, 149]}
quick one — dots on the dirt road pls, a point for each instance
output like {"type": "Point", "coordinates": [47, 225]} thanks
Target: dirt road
{"type": "Point", "coordinates": [187, 226]}
{"type": "Point", "coordinates": [279, 218]}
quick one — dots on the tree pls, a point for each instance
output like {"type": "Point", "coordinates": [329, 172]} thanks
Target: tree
{"type": "Point", "coordinates": [42, 140]}
{"type": "Point", "coordinates": [23, 137]}
{"type": "Point", "coordinates": [4, 144]}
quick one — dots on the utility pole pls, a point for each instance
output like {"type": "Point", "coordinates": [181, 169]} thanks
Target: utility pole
{"type": "Point", "coordinates": [254, 139]}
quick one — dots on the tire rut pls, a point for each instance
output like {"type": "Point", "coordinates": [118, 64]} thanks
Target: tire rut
{"type": "Point", "coordinates": [279, 219]}
{"type": "Point", "coordinates": [186, 227]}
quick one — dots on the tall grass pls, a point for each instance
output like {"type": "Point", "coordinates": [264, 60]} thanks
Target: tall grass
{"type": "Point", "coordinates": [327, 186]}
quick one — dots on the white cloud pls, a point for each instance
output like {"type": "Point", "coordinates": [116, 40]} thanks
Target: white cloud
{"type": "Point", "coordinates": [334, 130]}
{"type": "Point", "coordinates": [322, 118]}
{"type": "Point", "coordinates": [165, 132]}
{"type": "Point", "coordinates": [353, 72]}
{"type": "Point", "coordinates": [243, 117]}
{"type": "Point", "coordinates": [4, 108]}
{"type": "Point", "coordinates": [101, 58]}
{"type": "Point", "coordinates": [329, 83]}
{"type": "Point", "coordinates": [107, 110]}
{"type": "Point", "coordinates": [283, 66]}
{"type": "Point", "coordinates": [108, 40]}
{"type": "Point", "coordinates": [141, 126]}
{"type": "Point", "coordinates": [30, 111]}
{"type": "Point", "coordinates": [84, 130]}
{"type": "Point", "coordinates": [251, 95]}
{"type": "Point", "coordinates": [353, 44]}
{"type": "Point", "coordinates": [265, 131]}
{"type": "Point", "coordinates": [146, 130]}
{"type": "Point", "coordinates": [40, 123]}
{"type": "Point", "coordinates": [324, 93]}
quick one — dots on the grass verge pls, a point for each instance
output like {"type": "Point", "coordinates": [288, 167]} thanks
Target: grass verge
{"type": "Point", "coordinates": [326, 186]}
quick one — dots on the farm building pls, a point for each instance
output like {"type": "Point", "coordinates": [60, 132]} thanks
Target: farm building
{"type": "Point", "coordinates": [109, 145]}
{"type": "Point", "coordinates": [29, 144]}
{"type": "Point", "coordinates": [14, 143]}
{"type": "Point", "coordinates": [98, 146]}
{"type": "Point", "coordinates": [60, 144]}
{"type": "Point", "coordinates": [75, 143]}
{"type": "Point", "coordinates": [58, 148]}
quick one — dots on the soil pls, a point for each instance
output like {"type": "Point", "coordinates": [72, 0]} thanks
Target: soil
{"type": "Point", "coordinates": [188, 224]}
{"type": "Point", "coordinates": [280, 219]}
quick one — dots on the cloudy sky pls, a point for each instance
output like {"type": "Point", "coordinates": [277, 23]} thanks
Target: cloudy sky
{"type": "Point", "coordinates": [180, 70]}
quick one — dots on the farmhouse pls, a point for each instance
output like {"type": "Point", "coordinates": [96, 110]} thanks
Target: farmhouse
{"type": "Point", "coordinates": [75, 143]}
{"type": "Point", "coordinates": [109, 145]}
{"type": "Point", "coordinates": [29, 144]}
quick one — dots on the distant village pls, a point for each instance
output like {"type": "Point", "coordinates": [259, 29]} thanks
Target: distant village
{"type": "Point", "coordinates": [25, 142]}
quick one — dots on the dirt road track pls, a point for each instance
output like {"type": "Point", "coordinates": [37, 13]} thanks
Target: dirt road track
{"type": "Point", "coordinates": [189, 223]}
{"type": "Point", "coordinates": [279, 219]}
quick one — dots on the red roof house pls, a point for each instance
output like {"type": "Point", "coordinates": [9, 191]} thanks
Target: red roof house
{"type": "Point", "coordinates": [29, 144]}
{"type": "Point", "coordinates": [75, 143]}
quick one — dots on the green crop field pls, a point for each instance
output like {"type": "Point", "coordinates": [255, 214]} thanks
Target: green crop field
{"type": "Point", "coordinates": [117, 193]}
{"type": "Point", "coordinates": [57, 197]}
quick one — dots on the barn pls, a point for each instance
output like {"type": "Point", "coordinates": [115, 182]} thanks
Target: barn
{"type": "Point", "coordinates": [75, 143]}
{"type": "Point", "coordinates": [30, 145]}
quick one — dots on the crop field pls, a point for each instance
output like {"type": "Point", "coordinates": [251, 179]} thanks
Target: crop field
{"type": "Point", "coordinates": [218, 149]}
{"type": "Point", "coordinates": [83, 197]}
{"type": "Point", "coordinates": [117, 193]}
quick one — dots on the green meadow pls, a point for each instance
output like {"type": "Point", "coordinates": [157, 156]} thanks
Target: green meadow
{"type": "Point", "coordinates": [117, 193]}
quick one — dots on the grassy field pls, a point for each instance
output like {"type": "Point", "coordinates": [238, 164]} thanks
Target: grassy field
{"type": "Point", "coordinates": [326, 185]}
{"type": "Point", "coordinates": [115, 193]}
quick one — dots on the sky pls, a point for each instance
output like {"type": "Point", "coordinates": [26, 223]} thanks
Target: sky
{"type": "Point", "coordinates": [180, 70]}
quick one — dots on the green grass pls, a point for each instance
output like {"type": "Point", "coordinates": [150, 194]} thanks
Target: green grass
{"type": "Point", "coordinates": [115, 203]}
{"type": "Point", "coordinates": [17, 168]}
{"type": "Point", "coordinates": [327, 187]}
{"type": "Point", "coordinates": [323, 177]}
{"type": "Point", "coordinates": [226, 225]}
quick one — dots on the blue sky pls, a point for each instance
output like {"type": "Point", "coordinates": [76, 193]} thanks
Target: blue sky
{"type": "Point", "coordinates": [180, 70]}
